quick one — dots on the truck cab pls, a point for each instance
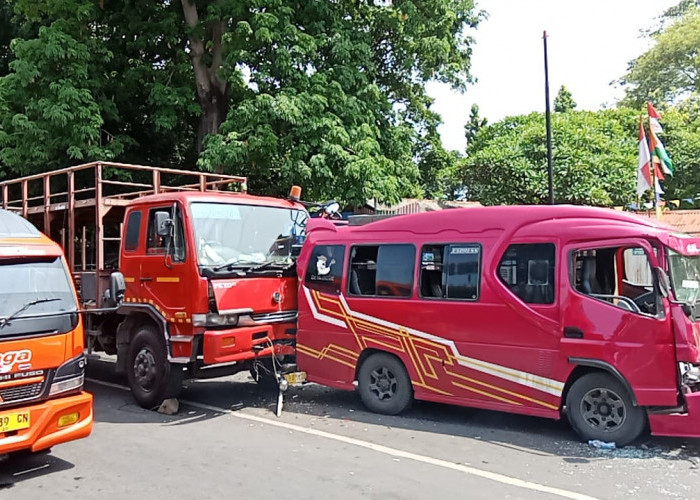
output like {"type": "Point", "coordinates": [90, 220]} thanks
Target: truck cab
{"type": "Point", "coordinates": [41, 343]}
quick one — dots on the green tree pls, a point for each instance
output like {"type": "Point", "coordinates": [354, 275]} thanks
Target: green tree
{"type": "Point", "coordinates": [329, 95]}
{"type": "Point", "coordinates": [670, 69]}
{"type": "Point", "coordinates": [594, 159]}
{"type": "Point", "coordinates": [474, 124]}
{"type": "Point", "coordinates": [564, 101]}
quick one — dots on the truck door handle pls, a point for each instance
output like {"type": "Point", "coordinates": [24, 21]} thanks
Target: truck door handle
{"type": "Point", "coordinates": [573, 332]}
{"type": "Point", "coordinates": [146, 278]}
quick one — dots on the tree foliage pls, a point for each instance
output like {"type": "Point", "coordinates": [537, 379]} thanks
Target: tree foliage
{"type": "Point", "coordinates": [594, 159]}
{"type": "Point", "coordinates": [327, 94]}
{"type": "Point", "coordinates": [564, 101]}
{"type": "Point", "coordinates": [474, 123]}
{"type": "Point", "coordinates": [670, 70]}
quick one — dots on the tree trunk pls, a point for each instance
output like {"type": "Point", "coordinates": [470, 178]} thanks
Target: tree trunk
{"type": "Point", "coordinates": [212, 91]}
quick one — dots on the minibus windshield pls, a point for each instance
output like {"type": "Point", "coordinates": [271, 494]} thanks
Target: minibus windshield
{"type": "Point", "coordinates": [685, 276]}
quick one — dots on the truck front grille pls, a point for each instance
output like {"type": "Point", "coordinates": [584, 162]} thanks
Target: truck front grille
{"type": "Point", "coordinates": [21, 392]}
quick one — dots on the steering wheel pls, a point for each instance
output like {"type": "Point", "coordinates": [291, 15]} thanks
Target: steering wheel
{"type": "Point", "coordinates": [646, 302]}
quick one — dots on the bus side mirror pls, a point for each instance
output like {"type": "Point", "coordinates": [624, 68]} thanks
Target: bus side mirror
{"type": "Point", "coordinates": [164, 224]}
{"type": "Point", "coordinates": [117, 287]}
{"type": "Point", "coordinates": [664, 282]}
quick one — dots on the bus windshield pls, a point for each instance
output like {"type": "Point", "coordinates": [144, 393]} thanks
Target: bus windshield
{"type": "Point", "coordinates": [685, 276]}
{"type": "Point", "coordinates": [226, 233]}
{"type": "Point", "coordinates": [35, 295]}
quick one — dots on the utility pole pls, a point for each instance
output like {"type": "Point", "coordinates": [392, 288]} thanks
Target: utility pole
{"type": "Point", "coordinates": [549, 122]}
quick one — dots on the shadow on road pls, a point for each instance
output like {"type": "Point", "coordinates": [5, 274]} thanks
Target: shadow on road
{"type": "Point", "coordinates": [21, 467]}
{"type": "Point", "coordinates": [533, 435]}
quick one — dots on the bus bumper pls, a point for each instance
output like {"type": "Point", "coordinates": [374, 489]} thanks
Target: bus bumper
{"type": "Point", "coordinates": [51, 422]}
{"type": "Point", "coordinates": [679, 424]}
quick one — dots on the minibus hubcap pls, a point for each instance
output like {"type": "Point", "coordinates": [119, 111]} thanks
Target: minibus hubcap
{"type": "Point", "coordinates": [145, 368]}
{"type": "Point", "coordinates": [603, 409]}
{"type": "Point", "coordinates": [382, 383]}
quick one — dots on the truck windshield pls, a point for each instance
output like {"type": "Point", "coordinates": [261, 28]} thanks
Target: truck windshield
{"type": "Point", "coordinates": [35, 296]}
{"type": "Point", "coordinates": [685, 276]}
{"type": "Point", "coordinates": [229, 234]}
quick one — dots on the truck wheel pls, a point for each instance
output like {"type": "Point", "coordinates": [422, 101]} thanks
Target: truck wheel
{"type": "Point", "coordinates": [600, 407]}
{"type": "Point", "coordinates": [384, 384]}
{"type": "Point", "coordinates": [151, 377]}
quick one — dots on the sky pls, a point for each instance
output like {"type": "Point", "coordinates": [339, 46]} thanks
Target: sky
{"type": "Point", "coordinates": [589, 45]}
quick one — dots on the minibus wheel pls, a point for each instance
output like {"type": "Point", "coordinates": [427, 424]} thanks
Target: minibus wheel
{"type": "Point", "coordinates": [384, 384]}
{"type": "Point", "coordinates": [600, 407]}
{"type": "Point", "coordinates": [151, 377]}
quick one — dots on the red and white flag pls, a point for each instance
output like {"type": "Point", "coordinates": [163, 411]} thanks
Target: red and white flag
{"type": "Point", "coordinates": [644, 166]}
{"type": "Point", "coordinates": [654, 118]}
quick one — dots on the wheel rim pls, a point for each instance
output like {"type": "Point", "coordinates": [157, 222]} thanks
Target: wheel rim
{"type": "Point", "coordinates": [382, 383]}
{"type": "Point", "coordinates": [603, 409]}
{"type": "Point", "coordinates": [145, 369]}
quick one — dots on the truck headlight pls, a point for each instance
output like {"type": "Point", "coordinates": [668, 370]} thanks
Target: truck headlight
{"type": "Point", "coordinates": [215, 320]}
{"type": "Point", "coordinates": [69, 376]}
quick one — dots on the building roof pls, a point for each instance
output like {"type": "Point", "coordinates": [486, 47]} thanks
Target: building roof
{"type": "Point", "coordinates": [685, 221]}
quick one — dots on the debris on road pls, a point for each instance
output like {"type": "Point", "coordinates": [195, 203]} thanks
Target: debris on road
{"type": "Point", "coordinates": [603, 445]}
{"type": "Point", "coordinates": [169, 407]}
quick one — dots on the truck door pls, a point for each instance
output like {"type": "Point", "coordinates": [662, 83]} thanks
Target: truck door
{"type": "Point", "coordinates": [164, 264]}
{"type": "Point", "coordinates": [614, 316]}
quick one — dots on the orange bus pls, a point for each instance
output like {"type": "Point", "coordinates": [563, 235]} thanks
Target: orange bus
{"type": "Point", "coordinates": [42, 402]}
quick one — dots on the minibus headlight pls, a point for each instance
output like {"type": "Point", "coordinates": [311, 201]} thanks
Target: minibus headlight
{"type": "Point", "coordinates": [215, 320]}
{"type": "Point", "coordinates": [69, 376]}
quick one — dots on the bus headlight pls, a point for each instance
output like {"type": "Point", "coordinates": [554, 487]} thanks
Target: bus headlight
{"type": "Point", "coordinates": [69, 376]}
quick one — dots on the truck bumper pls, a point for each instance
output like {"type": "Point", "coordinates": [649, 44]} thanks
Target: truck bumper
{"type": "Point", "coordinates": [240, 344]}
{"type": "Point", "coordinates": [679, 424]}
{"type": "Point", "coordinates": [45, 430]}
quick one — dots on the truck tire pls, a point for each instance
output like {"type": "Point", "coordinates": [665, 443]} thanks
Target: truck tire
{"type": "Point", "coordinates": [384, 384]}
{"type": "Point", "coordinates": [151, 377]}
{"type": "Point", "coordinates": [599, 407]}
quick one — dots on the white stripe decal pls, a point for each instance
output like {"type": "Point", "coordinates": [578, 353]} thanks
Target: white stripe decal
{"type": "Point", "coordinates": [550, 386]}
{"type": "Point", "coordinates": [318, 315]}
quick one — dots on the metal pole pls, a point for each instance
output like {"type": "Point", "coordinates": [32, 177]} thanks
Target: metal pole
{"type": "Point", "coordinates": [549, 122]}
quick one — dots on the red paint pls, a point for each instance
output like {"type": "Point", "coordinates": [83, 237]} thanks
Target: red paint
{"type": "Point", "coordinates": [462, 352]}
{"type": "Point", "coordinates": [180, 290]}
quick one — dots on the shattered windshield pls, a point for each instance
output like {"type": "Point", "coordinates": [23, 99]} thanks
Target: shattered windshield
{"type": "Point", "coordinates": [230, 234]}
{"type": "Point", "coordinates": [685, 276]}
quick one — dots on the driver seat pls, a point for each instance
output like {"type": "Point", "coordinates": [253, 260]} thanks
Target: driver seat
{"type": "Point", "coordinates": [589, 281]}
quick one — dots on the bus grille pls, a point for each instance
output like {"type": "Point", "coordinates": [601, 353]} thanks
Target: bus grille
{"type": "Point", "coordinates": [21, 392]}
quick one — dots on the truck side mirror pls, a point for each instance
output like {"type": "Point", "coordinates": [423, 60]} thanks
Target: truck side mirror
{"type": "Point", "coordinates": [117, 287]}
{"type": "Point", "coordinates": [164, 224]}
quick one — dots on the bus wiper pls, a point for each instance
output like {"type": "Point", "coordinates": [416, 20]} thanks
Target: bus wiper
{"type": "Point", "coordinates": [5, 321]}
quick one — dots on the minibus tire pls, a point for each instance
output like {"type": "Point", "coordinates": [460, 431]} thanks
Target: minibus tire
{"type": "Point", "coordinates": [384, 384]}
{"type": "Point", "coordinates": [599, 407]}
{"type": "Point", "coordinates": [154, 378]}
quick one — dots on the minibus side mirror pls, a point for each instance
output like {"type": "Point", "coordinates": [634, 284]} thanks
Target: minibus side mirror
{"type": "Point", "coordinates": [664, 282]}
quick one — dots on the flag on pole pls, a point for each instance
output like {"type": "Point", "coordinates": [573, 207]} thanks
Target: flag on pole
{"type": "Point", "coordinates": [658, 153]}
{"type": "Point", "coordinates": [644, 165]}
{"type": "Point", "coordinates": [654, 118]}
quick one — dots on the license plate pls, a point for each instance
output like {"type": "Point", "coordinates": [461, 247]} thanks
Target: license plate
{"type": "Point", "coordinates": [14, 421]}
{"type": "Point", "coordinates": [295, 377]}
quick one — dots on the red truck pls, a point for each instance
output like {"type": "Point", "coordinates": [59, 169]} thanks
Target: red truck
{"type": "Point", "coordinates": [539, 310]}
{"type": "Point", "coordinates": [185, 275]}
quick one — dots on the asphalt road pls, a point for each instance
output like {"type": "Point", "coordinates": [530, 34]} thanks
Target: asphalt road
{"type": "Point", "coordinates": [227, 442]}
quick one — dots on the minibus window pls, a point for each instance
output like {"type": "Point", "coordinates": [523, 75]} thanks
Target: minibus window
{"type": "Point", "coordinates": [382, 270]}
{"type": "Point", "coordinates": [620, 276]}
{"type": "Point", "coordinates": [528, 271]}
{"type": "Point", "coordinates": [325, 270]}
{"type": "Point", "coordinates": [450, 271]}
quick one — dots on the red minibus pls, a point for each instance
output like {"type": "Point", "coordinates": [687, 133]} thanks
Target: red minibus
{"type": "Point", "coordinates": [538, 310]}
